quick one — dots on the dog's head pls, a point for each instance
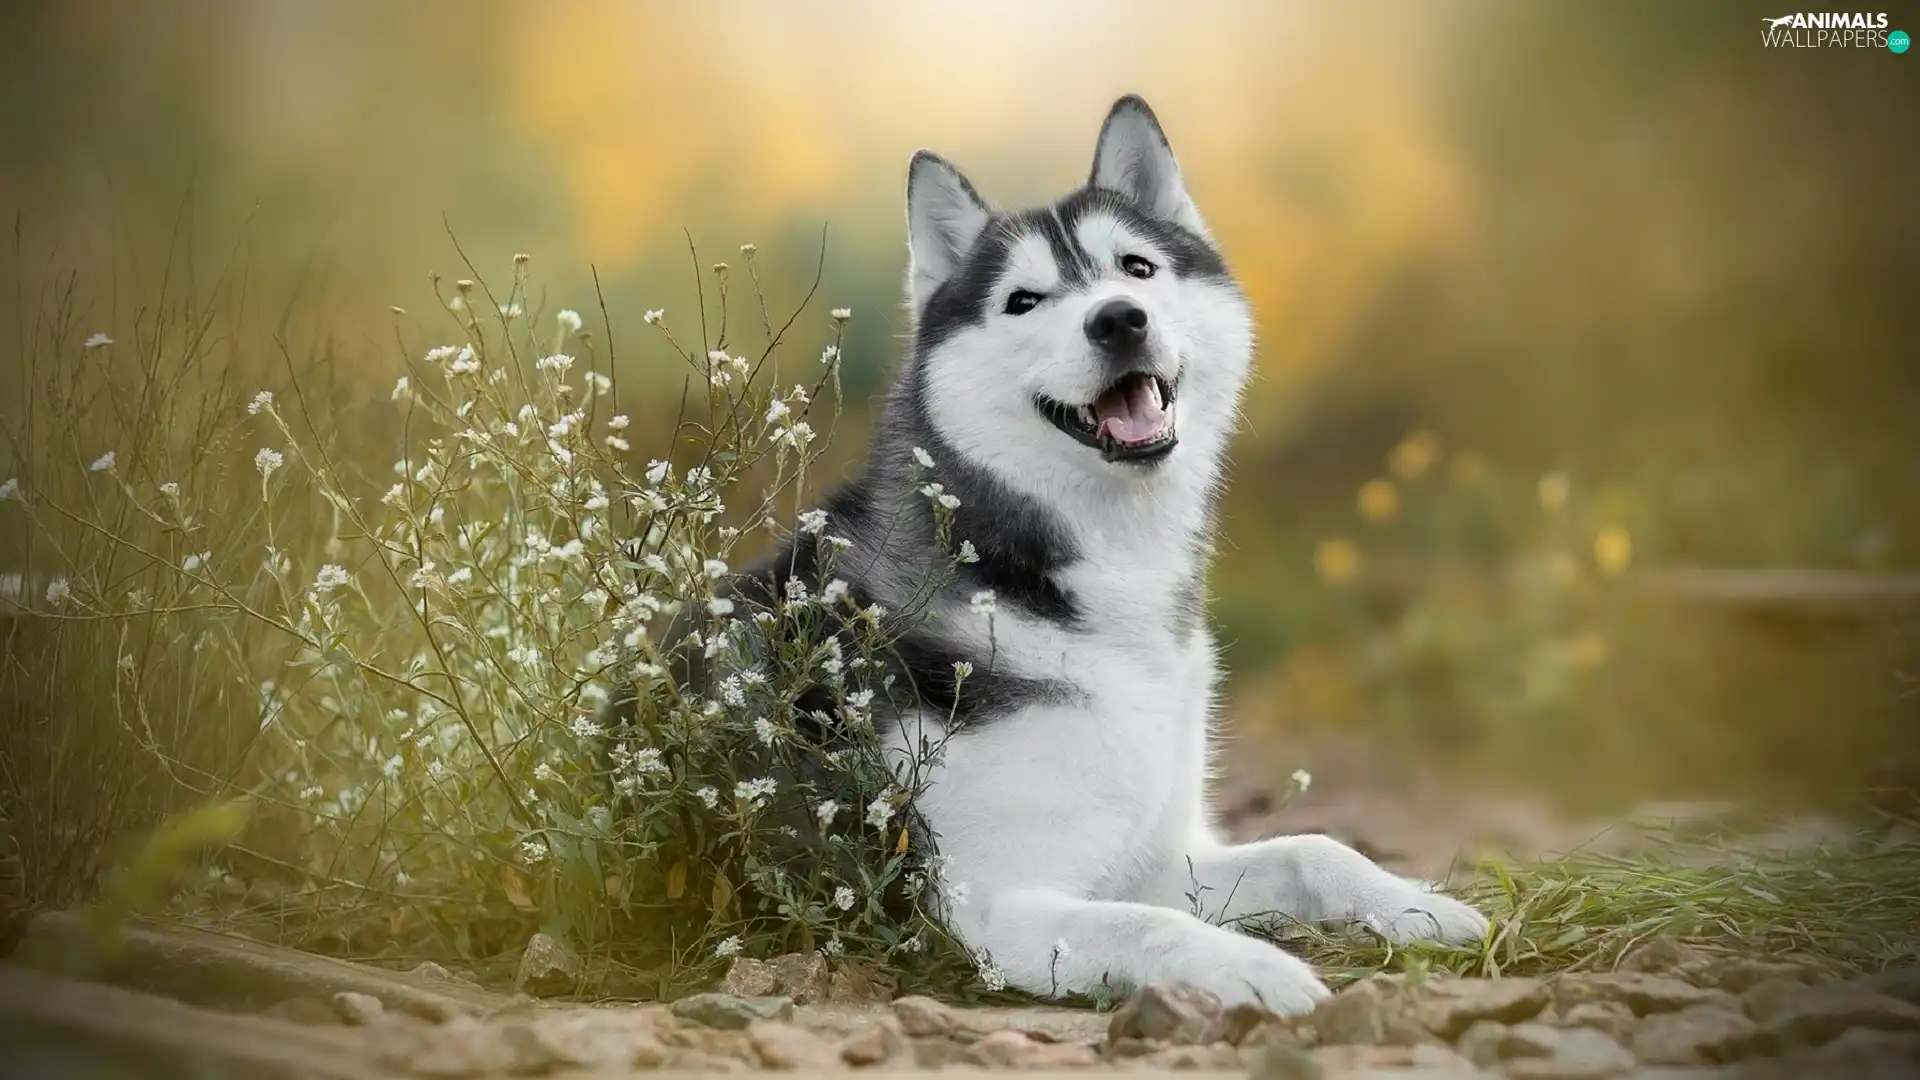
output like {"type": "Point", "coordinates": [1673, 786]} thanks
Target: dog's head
{"type": "Point", "coordinates": [1099, 341]}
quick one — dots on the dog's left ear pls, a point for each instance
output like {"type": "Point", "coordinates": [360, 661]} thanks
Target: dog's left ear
{"type": "Point", "coordinates": [1134, 159]}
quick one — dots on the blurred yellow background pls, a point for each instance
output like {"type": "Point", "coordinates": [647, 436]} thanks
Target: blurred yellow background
{"type": "Point", "coordinates": [1621, 253]}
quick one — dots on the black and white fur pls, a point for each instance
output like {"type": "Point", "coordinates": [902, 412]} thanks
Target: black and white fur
{"type": "Point", "coordinates": [1069, 805]}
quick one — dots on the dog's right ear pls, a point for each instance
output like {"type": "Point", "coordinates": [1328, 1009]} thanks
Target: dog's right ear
{"type": "Point", "coordinates": [944, 218]}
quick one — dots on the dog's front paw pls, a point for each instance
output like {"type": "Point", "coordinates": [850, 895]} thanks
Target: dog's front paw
{"type": "Point", "coordinates": [1417, 913]}
{"type": "Point", "coordinates": [1243, 970]}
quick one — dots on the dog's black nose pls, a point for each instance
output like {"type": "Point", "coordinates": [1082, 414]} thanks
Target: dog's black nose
{"type": "Point", "coordinates": [1118, 326]}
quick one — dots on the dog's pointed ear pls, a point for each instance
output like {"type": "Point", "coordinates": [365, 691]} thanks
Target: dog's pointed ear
{"type": "Point", "coordinates": [1134, 159]}
{"type": "Point", "coordinates": [944, 217]}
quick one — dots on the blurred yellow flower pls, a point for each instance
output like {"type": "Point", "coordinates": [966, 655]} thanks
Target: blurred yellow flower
{"type": "Point", "coordinates": [1379, 500]}
{"type": "Point", "coordinates": [1554, 489]}
{"type": "Point", "coordinates": [1613, 549]}
{"type": "Point", "coordinates": [1467, 468]}
{"type": "Point", "coordinates": [1337, 560]}
{"type": "Point", "coordinates": [1415, 455]}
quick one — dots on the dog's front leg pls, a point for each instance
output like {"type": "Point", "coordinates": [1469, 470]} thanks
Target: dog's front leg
{"type": "Point", "coordinates": [1310, 879]}
{"type": "Point", "coordinates": [1051, 944]}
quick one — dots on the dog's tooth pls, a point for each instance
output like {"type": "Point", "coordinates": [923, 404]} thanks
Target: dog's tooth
{"type": "Point", "coordinates": [1086, 415]}
{"type": "Point", "coordinates": [1153, 387]}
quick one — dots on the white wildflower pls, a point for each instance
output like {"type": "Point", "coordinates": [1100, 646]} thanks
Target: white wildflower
{"type": "Point", "coordinates": [569, 320]}
{"type": "Point", "coordinates": [826, 812]}
{"type": "Point", "coordinates": [728, 947]}
{"type": "Point", "coordinates": [720, 605]}
{"type": "Point", "coordinates": [104, 463]}
{"type": "Point", "coordinates": [330, 577]}
{"type": "Point", "coordinates": [261, 402]}
{"type": "Point", "coordinates": [196, 562]}
{"type": "Point", "coordinates": [925, 459]}
{"type": "Point", "coordinates": [967, 552]}
{"type": "Point", "coordinates": [392, 766]}
{"type": "Point", "coordinates": [268, 460]}
{"type": "Point", "coordinates": [777, 411]}
{"type": "Point", "coordinates": [657, 471]}
{"type": "Point", "coordinates": [402, 387]}
{"type": "Point", "coordinates": [835, 592]}
{"type": "Point", "coordinates": [766, 731]}
{"type": "Point", "coordinates": [709, 796]}
{"type": "Point", "coordinates": [98, 341]}
{"type": "Point", "coordinates": [843, 898]}
{"type": "Point", "coordinates": [558, 362]}
{"type": "Point", "coordinates": [58, 591]}
{"type": "Point", "coordinates": [653, 316]}
{"type": "Point", "coordinates": [1061, 950]}
{"type": "Point", "coordinates": [12, 487]}
{"type": "Point", "coordinates": [879, 812]}
{"type": "Point", "coordinates": [617, 423]}
{"type": "Point", "coordinates": [584, 727]}
{"type": "Point", "coordinates": [841, 314]}
{"type": "Point", "coordinates": [813, 521]}
{"type": "Point", "coordinates": [534, 850]}
{"type": "Point", "coordinates": [1302, 779]}
{"type": "Point", "coordinates": [961, 669]}
{"type": "Point", "coordinates": [957, 893]}
{"type": "Point", "coordinates": [983, 602]}
{"type": "Point", "coordinates": [829, 354]}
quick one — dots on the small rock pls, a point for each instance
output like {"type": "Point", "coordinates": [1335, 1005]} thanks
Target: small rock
{"type": "Point", "coordinates": [855, 983]}
{"type": "Point", "coordinates": [1821, 1016]}
{"type": "Point", "coordinates": [462, 1046]}
{"type": "Point", "coordinates": [1530, 1041]}
{"type": "Point", "coordinates": [935, 1052]}
{"type": "Point", "coordinates": [1861, 1054]}
{"type": "Point", "coordinates": [1218, 1056]}
{"type": "Point", "coordinates": [1480, 1043]}
{"type": "Point", "coordinates": [1658, 955]}
{"type": "Point", "coordinates": [923, 1017]}
{"type": "Point", "coordinates": [527, 1053]}
{"type": "Point", "coordinates": [783, 1046]}
{"type": "Point", "coordinates": [748, 977]}
{"type": "Point", "coordinates": [802, 976]}
{"type": "Point", "coordinates": [1448, 1009]}
{"type": "Point", "coordinates": [607, 1039]}
{"type": "Point", "coordinates": [1239, 1023]}
{"type": "Point", "coordinates": [725, 1012]}
{"type": "Point", "coordinates": [1002, 1049]}
{"type": "Point", "coordinates": [1181, 1014]}
{"type": "Point", "coordinates": [357, 1010]}
{"type": "Point", "coordinates": [1702, 1035]}
{"type": "Point", "coordinates": [878, 1042]}
{"type": "Point", "coordinates": [1902, 983]}
{"type": "Point", "coordinates": [547, 968]}
{"type": "Point", "coordinates": [1644, 994]}
{"type": "Point", "coordinates": [1738, 974]}
{"type": "Point", "coordinates": [427, 969]}
{"type": "Point", "coordinates": [1609, 1016]}
{"type": "Point", "coordinates": [1578, 1054]}
{"type": "Point", "coordinates": [1770, 999]}
{"type": "Point", "coordinates": [1355, 1015]}
{"type": "Point", "coordinates": [304, 1010]}
{"type": "Point", "coordinates": [1426, 1058]}
{"type": "Point", "coordinates": [1284, 1061]}
{"type": "Point", "coordinates": [1371, 1011]}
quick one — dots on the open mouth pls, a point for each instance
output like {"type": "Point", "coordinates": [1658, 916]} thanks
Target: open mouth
{"type": "Point", "coordinates": [1131, 420]}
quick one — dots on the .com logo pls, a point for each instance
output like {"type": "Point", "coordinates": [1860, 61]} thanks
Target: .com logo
{"type": "Point", "coordinates": [1898, 41]}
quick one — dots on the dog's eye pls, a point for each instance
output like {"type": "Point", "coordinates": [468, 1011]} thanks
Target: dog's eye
{"type": "Point", "coordinates": [1023, 301]}
{"type": "Point", "coordinates": [1136, 266]}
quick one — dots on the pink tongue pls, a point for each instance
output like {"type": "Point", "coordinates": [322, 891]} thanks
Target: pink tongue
{"type": "Point", "coordinates": [1130, 412]}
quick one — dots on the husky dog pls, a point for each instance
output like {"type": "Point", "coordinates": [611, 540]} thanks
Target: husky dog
{"type": "Point", "coordinates": [1073, 379]}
